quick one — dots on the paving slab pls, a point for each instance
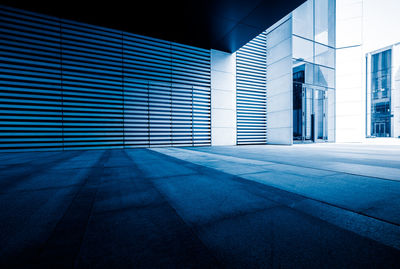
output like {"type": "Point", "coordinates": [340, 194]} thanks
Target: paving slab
{"type": "Point", "coordinates": [208, 207]}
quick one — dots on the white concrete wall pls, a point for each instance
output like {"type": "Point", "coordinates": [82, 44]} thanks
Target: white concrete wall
{"type": "Point", "coordinates": [223, 98]}
{"type": "Point", "coordinates": [279, 85]}
{"type": "Point", "coordinates": [350, 66]}
{"type": "Point", "coordinates": [381, 23]}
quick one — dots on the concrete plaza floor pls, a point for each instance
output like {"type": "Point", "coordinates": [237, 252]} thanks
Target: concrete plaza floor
{"type": "Point", "coordinates": [301, 206]}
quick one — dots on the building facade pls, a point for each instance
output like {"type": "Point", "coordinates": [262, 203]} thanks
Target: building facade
{"type": "Point", "coordinates": [298, 101]}
{"type": "Point", "coordinates": [326, 72]}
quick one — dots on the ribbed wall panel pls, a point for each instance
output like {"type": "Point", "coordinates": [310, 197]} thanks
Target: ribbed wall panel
{"type": "Point", "coordinates": [191, 67]}
{"type": "Point", "coordinates": [92, 87]}
{"type": "Point", "coordinates": [68, 85]}
{"type": "Point", "coordinates": [251, 92]}
{"type": "Point", "coordinates": [30, 82]}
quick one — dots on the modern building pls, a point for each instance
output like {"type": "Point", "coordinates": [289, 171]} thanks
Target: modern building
{"type": "Point", "coordinates": [327, 71]}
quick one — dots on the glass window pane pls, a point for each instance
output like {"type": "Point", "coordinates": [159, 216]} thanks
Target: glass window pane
{"type": "Point", "coordinates": [302, 49]}
{"type": "Point", "coordinates": [302, 18]}
{"type": "Point", "coordinates": [381, 94]}
{"type": "Point", "coordinates": [324, 28]}
{"type": "Point", "coordinates": [324, 76]}
{"type": "Point", "coordinates": [307, 69]}
{"type": "Point", "coordinates": [375, 63]}
{"type": "Point", "coordinates": [324, 55]}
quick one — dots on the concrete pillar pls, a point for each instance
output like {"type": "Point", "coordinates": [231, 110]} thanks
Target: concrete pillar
{"type": "Point", "coordinates": [223, 98]}
{"type": "Point", "coordinates": [350, 72]}
{"type": "Point", "coordinates": [280, 85]}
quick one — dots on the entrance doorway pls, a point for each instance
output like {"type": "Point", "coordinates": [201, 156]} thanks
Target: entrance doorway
{"type": "Point", "coordinates": [309, 113]}
{"type": "Point", "coordinates": [380, 129]}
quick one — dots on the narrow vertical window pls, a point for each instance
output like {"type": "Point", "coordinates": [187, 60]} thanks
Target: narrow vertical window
{"type": "Point", "coordinates": [381, 112]}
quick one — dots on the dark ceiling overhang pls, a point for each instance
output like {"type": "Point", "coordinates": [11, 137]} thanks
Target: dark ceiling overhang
{"type": "Point", "coordinates": [219, 24]}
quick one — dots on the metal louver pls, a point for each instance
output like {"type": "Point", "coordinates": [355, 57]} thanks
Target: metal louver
{"type": "Point", "coordinates": [251, 92]}
{"type": "Point", "coordinates": [68, 85]}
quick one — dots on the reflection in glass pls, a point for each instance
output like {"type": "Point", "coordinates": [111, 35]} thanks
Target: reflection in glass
{"type": "Point", "coordinates": [303, 49]}
{"type": "Point", "coordinates": [309, 110]}
{"type": "Point", "coordinates": [324, 27]}
{"type": "Point", "coordinates": [307, 68]}
{"type": "Point", "coordinates": [324, 76]}
{"type": "Point", "coordinates": [313, 68]}
{"type": "Point", "coordinates": [381, 94]}
{"type": "Point", "coordinates": [298, 81]}
{"type": "Point", "coordinates": [319, 98]}
{"type": "Point", "coordinates": [302, 18]}
{"type": "Point", "coordinates": [324, 55]}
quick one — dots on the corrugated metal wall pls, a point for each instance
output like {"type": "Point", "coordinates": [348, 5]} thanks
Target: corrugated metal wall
{"type": "Point", "coordinates": [251, 92]}
{"type": "Point", "coordinates": [68, 85]}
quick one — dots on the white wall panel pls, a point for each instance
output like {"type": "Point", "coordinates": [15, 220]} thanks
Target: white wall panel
{"type": "Point", "coordinates": [279, 85]}
{"type": "Point", "coordinates": [350, 89]}
{"type": "Point", "coordinates": [223, 98]}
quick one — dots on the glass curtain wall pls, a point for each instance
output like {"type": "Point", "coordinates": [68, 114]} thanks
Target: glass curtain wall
{"type": "Point", "coordinates": [313, 69]}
